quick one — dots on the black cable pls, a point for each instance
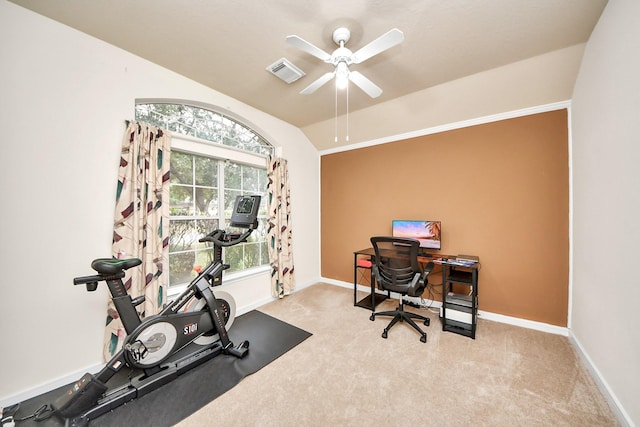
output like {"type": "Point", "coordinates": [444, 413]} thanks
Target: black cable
{"type": "Point", "coordinates": [42, 413]}
{"type": "Point", "coordinates": [432, 293]}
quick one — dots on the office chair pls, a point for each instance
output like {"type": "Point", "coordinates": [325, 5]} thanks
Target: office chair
{"type": "Point", "coordinates": [396, 269]}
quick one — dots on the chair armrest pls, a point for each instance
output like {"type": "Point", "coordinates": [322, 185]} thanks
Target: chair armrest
{"type": "Point", "coordinates": [376, 272]}
{"type": "Point", "coordinates": [428, 268]}
{"type": "Point", "coordinates": [418, 284]}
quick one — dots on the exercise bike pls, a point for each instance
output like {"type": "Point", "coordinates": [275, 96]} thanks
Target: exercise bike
{"type": "Point", "coordinates": [189, 331]}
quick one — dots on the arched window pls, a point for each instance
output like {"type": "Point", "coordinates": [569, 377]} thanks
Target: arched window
{"type": "Point", "coordinates": [214, 158]}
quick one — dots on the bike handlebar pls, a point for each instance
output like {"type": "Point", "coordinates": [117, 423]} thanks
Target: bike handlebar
{"type": "Point", "coordinates": [222, 238]}
{"type": "Point", "coordinates": [217, 237]}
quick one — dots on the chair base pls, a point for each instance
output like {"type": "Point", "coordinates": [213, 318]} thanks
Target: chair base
{"type": "Point", "coordinates": [403, 316]}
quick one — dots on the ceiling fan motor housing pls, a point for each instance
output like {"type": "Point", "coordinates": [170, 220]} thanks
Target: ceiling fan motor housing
{"type": "Point", "coordinates": [341, 35]}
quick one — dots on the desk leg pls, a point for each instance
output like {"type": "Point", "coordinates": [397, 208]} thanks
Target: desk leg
{"type": "Point", "coordinates": [373, 299]}
{"type": "Point", "coordinates": [355, 278]}
{"type": "Point", "coordinates": [373, 291]}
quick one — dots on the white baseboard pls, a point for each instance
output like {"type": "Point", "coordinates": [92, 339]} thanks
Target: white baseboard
{"type": "Point", "coordinates": [611, 398]}
{"type": "Point", "coordinates": [524, 323]}
{"type": "Point", "coordinates": [530, 324]}
{"type": "Point", "coordinates": [613, 401]}
{"type": "Point", "coordinates": [73, 376]}
{"type": "Point", "coordinates": [66, 379]}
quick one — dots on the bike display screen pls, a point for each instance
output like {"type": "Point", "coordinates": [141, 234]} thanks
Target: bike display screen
{"type": "Point", "coordinates": [245, 205]}
{"type": "Point", "coordinates": [245, 212]}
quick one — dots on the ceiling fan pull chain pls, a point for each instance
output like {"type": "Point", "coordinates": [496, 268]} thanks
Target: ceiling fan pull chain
{"type": "Point", "coordinates": [336, 120]}
{"type": "Point", "coordinates": [347, 112]}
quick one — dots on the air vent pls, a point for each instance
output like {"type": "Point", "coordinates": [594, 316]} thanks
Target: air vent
{"type": "Point", "coordinates": [285, 70]}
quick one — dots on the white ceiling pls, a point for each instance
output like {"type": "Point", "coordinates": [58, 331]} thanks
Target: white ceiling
{"type": "Point", "coordinates": [226, 45]}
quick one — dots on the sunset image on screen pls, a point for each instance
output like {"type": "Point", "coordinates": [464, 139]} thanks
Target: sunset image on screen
{"type": "Point", "coordinates": [426, 232]}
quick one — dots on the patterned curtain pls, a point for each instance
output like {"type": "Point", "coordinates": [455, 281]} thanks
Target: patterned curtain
{"type": "Point", "coordinates": [279, 228]}
{"type": "Point", "coordinates": [141, 223]}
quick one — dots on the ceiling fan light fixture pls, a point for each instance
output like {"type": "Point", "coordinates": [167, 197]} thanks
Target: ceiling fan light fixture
{"type": "Point", "coordinates": [342, 75]}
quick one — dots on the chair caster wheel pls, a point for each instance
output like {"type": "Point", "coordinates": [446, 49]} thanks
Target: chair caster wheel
{"type": "Point", "coordinates": [423, 338]}
{"type": "Point", "coordinates": [427, 322]}
{"type": "Point", "coordinates": [384, 334]}
{"type": "Point", "coordinates": [372, 317]}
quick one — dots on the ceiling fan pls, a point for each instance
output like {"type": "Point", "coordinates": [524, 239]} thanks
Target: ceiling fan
{"type": "Point", "coordinates": [342, 57]}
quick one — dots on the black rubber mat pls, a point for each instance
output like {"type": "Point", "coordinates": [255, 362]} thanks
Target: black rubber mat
{"type": "Point", "coordinates": [269, 338]}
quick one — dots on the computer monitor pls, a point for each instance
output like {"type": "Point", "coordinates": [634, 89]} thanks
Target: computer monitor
{"type": "Point", "coordinates": [428, 233]}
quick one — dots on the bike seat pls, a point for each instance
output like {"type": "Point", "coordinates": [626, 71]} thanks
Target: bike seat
{"type": "Point", "coordinates": [111, 266]}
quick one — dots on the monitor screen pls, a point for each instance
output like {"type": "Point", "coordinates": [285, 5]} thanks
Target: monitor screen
{"type": "Point", "coordinates": [426, 232]}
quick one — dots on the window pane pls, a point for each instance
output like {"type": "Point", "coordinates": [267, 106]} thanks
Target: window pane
{"type": "Point", "coordinates": [259, 233]}
{"type": "Point", "coordinates": [203, 259]}
{"type": "Point", "coordinates": [229, 201]}
{"type": "Point", "coordinates": [231, 142]}
{"type": "Point", "coordinates": [264, 253]}
{"type": "Point", "coordinates": [206, 172]}
{"type": "Point", "coordinates": [180, 267]}
{"type": "Point", "coordinates": [233, 257]}
{"type": "Point", "coordinates": [251, 255]}
{"type": "Point", "coordinates": [233, 176]}
{"type": "Point", "coordinates": [180, 203]}
{"type": "Point", "coordinates": [262, 210]}
{"type": "Point", "coordinates": [181, 168]}
{"type": "Point", "coordinates": [206, 226]}
{"type": "Point", "coordinates": [206, 202]}
{"type": "Point", "coordinates": [202, 123]}
{"type": "Point", "coordinates": [184, 235]}
{"type": "Point", "coordinates": [250, 179]}
{"type": "Point", "coordinates": [262, 177]}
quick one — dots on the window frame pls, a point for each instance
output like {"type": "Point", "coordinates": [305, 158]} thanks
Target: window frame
{"type": "Point", "coordinates": [190, 144]}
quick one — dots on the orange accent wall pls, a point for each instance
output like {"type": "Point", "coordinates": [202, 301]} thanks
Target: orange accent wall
{"type": "Point", "coordinates": [500, 189]}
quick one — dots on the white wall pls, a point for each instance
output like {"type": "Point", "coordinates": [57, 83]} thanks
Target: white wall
{"type": "Point", "coordinates": [64, 98]}
{"type": "Point", "coordinates": [605, 316]}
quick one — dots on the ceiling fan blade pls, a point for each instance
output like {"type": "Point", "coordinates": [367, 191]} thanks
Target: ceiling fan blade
{"type": "Point", "coordinates": [308, 47]}
{"type": "Point", "coordinates": [317, 84]}
{"type": "Point", "coordinates": [365, 84]}
{"type": "Point", "coordinates": [382, 43]}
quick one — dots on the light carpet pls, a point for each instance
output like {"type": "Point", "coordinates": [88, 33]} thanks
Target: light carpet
{"type": "Point", "coordinates": [347, 375]}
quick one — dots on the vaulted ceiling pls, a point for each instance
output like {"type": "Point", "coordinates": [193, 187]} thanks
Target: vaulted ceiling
{"type": "Point", "coordinates": [227, 45]}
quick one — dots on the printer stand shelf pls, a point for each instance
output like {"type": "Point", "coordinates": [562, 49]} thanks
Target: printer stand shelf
{"type": "Point", "coordinates": [460, 310]}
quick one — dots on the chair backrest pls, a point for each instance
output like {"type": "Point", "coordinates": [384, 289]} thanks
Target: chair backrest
{"type": "Point", "coordinates": [396, 266]}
